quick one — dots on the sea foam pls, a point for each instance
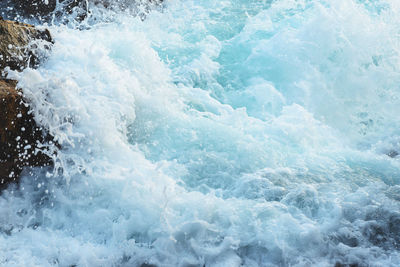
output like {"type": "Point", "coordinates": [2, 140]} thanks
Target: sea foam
{"type": "Point", "coordinates": [216, 133]}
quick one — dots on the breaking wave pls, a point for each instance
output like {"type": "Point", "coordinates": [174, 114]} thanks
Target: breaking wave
{"type": "Point", "coordinates": [215, 133]}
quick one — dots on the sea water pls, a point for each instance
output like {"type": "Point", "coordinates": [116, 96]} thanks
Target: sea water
{"type": "Point", "coordinates": [215, 133]}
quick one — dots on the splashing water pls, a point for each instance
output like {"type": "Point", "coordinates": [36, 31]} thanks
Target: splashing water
{"type": "Point", "coordinates": [216, 133]}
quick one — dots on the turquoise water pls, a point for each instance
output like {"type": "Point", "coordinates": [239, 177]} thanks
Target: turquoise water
{"type": "Point", "coordinates": [216, 133]}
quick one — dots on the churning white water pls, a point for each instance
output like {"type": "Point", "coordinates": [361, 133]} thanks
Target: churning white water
{"type": "Point", "coordinates": [216, 133]}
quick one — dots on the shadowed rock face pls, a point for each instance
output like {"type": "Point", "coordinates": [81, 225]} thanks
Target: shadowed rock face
{"type": "Point", "coordinates": [20, 137]}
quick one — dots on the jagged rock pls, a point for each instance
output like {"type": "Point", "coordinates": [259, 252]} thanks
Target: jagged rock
{"type": "Point", "coordinates": [16, 49]}
{"type": "Point", "coordinates": [20, 137]}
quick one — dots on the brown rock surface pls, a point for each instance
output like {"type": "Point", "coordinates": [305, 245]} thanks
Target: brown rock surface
{"type": "Point", "coordinates": [20, 137]}
{"type": "Point", "coordinates": [16, 49]}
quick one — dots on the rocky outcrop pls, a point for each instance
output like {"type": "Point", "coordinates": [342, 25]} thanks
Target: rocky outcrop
{"type": "Point", "coordinates": [16, 49]}
{"type": "Point", "coordinates": [20, 138]}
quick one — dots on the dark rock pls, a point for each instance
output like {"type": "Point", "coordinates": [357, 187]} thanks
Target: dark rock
{"type": "Point", "coordinates": [44, 8]}
{"type": "Point", "coordinates": [20, 137]}
{"type": "Point", "coordinates": [35, 7]}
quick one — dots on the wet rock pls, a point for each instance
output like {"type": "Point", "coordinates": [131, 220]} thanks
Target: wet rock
{"type": "Point", "coordinates": [393, 153]}
{"type": "Point", "coordinates": [20, 138]}
{"type": "Point", "coordinates": [16, 49]}
{"type": "Point", "coordinates": [41, 9]}
{"type": "Point", "coordinates": [35, 7]}
{"type": "Point", "coordinates": [45, 10]}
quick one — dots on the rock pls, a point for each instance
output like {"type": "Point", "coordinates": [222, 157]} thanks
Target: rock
{"type": "Point", "coordinates": [20, 137]}
{"type": "Point", "coordinates": [44, 8]}
{"type": "Point", "coordinates": [16, 49]}
{"type": "Point", "coordinates": [35, 7]}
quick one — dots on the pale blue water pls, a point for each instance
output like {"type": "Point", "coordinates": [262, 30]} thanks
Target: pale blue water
{"type": "Point", "coordinates": [216, 133]}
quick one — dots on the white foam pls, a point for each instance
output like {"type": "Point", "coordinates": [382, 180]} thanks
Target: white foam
{"type": "Point", "coordinates": [219, 133]}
